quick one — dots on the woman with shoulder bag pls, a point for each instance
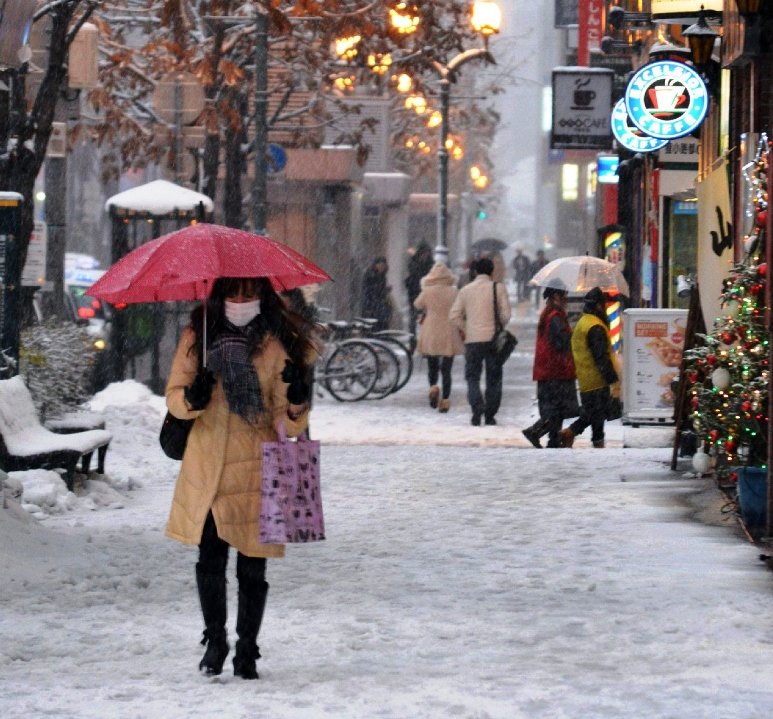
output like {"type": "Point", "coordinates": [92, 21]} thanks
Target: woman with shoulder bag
{"type": "Point", "coordinates": [258, 359]}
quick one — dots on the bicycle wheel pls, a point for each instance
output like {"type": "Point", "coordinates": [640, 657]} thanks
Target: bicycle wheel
{"type": "Point", "coordinates": [388, 370]}
{"type": "Point", "coordinates": [402, 351]}
{"type": "Point", "coordinates": [351, 371]}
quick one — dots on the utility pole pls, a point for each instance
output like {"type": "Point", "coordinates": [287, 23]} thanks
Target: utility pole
{"type": "Point", "coordinates": [259, 183]}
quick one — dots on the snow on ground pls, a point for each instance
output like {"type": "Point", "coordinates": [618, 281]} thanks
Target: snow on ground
{"type": "Point", "coordinates": [465, 574]}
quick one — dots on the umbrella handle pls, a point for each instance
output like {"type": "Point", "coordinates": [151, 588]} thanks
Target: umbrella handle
{"type": "Point", "coordinates": [204, 333]}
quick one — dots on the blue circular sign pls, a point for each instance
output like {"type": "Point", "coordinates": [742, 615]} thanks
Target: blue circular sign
{"type": "Point", "coordinates": [277, 158]}
{"type": "Point", "coordinates": [667, 99]}
{"type": "Point", "coordinates": [630, 136]}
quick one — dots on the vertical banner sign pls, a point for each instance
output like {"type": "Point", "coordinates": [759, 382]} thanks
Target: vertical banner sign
{"type": "Point", "coordinates": [591, 30]}
{"type": "Point", "coordinates": [715, 240]}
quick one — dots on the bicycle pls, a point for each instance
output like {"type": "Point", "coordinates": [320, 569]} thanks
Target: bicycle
{"type": "Point", "coordinates": [347, 368]}
{"type": "Point", "coordinates": [7, 364]}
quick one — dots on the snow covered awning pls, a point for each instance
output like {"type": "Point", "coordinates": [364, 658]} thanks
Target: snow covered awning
{"type": "Point", "coordinates": [158, 198]}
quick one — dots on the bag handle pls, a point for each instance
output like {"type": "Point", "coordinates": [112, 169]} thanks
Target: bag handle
{"type": "Point", "coordinates": [282, 432]}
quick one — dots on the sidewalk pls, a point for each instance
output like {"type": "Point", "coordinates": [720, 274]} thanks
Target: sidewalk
{"type": "Point", "coordinates": [465, 574]}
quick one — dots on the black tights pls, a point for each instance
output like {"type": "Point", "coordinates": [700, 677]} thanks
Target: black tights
{"type": "Point", "coordinates": [213, 556]}
{"type": "Point", "coordinates": [440, 365]}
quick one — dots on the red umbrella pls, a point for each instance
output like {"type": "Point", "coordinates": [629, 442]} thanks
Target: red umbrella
{"type": "Point", "coordinates": [183, 265]}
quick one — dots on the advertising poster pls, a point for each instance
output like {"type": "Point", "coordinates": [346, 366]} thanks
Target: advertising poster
{"type": "Point", "coordinates": [652, 353]}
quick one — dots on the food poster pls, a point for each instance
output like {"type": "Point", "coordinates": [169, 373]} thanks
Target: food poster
{"type": "Point", "coordinates": [652, 354]}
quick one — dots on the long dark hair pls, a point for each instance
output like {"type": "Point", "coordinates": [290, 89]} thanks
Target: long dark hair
{"type": "Point", "coordinates": [276, 318]}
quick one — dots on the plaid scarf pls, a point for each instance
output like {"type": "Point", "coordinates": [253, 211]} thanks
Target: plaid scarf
{"type": "Point", "coordinates": [229, 357]}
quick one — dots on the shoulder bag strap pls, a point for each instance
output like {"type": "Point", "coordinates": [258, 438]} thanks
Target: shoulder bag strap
{"type": "Point", "coordinates": [497, 323]}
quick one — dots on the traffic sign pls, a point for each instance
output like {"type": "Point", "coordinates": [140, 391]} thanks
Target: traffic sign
{"type": "Point", "coordinates": [276, 158]}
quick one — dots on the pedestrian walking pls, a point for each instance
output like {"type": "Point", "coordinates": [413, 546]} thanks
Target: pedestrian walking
{"type": "Point", "coordinates": [473, 314]}
{"type": "Point", "coordinates": [521, 274]}
{"type": "Point", "coordinates": [376, 302]}
{"type": "Point", "coordinates": [258, 355]}
{"type": "Point", "coordinates": [439, 341]}
{"type": "Point", "coordinates": [419, 265]}
{"type": "Point", "coordinates": [594, 363]}
{"type": "Point", "coordinates": [539, 262]}
{"type": "Point", "coordinates": [553, 370]}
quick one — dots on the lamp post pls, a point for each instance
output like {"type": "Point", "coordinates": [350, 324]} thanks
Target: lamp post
{"type": "Point", "coordinates": [486, 19]}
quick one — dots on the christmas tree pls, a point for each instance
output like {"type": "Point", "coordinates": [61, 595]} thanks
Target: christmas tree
{"type": "Point", "coordinates": [727, 373]}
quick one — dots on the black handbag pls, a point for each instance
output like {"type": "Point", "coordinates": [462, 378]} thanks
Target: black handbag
{"type": "Point", "coordinates": [504, 341]}
{"type": "Point", "coordinates": [174, 435]}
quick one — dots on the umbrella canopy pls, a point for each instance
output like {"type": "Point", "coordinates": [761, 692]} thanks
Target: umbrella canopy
{"type": "Point", "coordinates": [489, 244]}
{"type": "Point", "coordinates": [182, 265]}
{"type": "Point", "coordinates": [581, 273]}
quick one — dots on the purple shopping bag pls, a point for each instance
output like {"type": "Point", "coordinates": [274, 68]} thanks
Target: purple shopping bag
{"type": "Point", "coordinates": [291, 504]}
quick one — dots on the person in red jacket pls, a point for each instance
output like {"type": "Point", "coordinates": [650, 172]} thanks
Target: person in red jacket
{"type": "Point", "coordinates": [553, 369]}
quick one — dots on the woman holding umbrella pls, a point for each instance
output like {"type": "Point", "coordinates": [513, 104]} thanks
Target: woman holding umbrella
{"type": "Point", "coordinates": [258, 356]}
{"type": "Point", "coordinates": [553, 368]}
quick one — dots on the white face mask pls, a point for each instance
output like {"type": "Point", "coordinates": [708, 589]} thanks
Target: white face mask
{"type": "Point", "coordinates": [241, 313]}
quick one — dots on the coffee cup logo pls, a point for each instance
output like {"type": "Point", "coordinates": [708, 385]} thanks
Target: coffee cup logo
{"type": "Point", "coordinates": [667, 97]}
{"type": "Point", "coordinates": [582, 98]}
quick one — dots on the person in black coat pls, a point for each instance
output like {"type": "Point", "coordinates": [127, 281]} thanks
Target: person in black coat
{"type": "Point", "coordinates": [419, 264]}
{"type": "Point", "coordinates": [376, 303]}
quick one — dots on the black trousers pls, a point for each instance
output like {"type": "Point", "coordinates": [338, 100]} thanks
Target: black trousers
{"type": "Point", "coordinates": [440, 366]}
{"type": "Point", "coordinates": [477, 356]}
{"type": "Point", "coordinates": [594, 406]}
{"type": "Point", "coordinates": [213, 555]}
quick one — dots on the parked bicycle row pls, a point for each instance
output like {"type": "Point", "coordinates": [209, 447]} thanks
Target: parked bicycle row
{"type": "Point", "coordinates": [358, 363]}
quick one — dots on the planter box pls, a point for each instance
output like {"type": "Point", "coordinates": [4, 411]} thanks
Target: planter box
{"type": "Point", "coordinates": [752, 491]}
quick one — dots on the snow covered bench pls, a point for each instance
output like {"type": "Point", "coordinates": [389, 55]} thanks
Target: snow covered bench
{"type": "Point", "coordinates": [26, 444]}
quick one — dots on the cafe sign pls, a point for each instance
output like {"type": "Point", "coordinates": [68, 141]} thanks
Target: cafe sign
{"type": "Point", "coordinates": [628, 135]}
{"type": "Point", "coordinates": [667, 99]}
{"type": "Point", "coordinates": [581, 100]}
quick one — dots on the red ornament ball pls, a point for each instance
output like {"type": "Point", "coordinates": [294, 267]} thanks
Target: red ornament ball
{"type": "Point", "coordinates": [711, 359]}
{"type": "Point", "coordinates": [728, 338]}
{"type": "Point", "coordinates": [746, 406]}
{"type": "Point", "coordinates": [730, 445]}
{"type": "Point", "coordinates": [762, 269]}
{"type": "Point", "coordinates": [762, 217]}
{"type": "Point", "coordinates": [714, 434]}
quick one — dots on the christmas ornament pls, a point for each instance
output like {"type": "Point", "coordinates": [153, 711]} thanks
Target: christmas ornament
{"type": "Point", "coordinates": [720, 378]}
{"type": "Point", "coordinates": [701, 462]}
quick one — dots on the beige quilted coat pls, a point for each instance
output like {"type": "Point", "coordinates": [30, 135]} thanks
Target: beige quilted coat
{"type": "Point", "coordinates": [221, 468]}
{"type": "Point", "coordinates": [437, 336]}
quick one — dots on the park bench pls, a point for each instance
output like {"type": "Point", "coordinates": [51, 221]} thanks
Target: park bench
{"type": "Point", "coordinates": [26, 444]}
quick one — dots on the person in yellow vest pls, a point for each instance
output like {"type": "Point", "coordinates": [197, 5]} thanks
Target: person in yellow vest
{"type": "Point", "coordinates": [593, 361]}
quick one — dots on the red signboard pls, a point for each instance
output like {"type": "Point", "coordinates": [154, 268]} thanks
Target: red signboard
{"type": "Point", "coordinates": [591, 30]}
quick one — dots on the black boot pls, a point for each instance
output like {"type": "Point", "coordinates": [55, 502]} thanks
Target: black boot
{"type": "Point", "coordinates": [253, 590]}
{"type": "Point", "coordinates": [534, 432]}
{"type": "Point", "coordinates": [213, 608]}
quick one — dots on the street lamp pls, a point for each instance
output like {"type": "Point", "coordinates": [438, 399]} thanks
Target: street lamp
{"type": "Point", "coordinates": [486, 20]}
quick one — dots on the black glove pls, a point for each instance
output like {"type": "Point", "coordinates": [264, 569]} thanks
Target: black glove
{"type": "Point", "coordinates": [298, 390]}
{"type": "Point", "coordinates": [200, 392]}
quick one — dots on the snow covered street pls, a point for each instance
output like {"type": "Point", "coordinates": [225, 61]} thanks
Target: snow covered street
{"type": "Point", "coordinates": [465, 574]}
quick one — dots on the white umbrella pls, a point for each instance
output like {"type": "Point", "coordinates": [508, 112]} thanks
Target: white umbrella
{"type": "Point", "coordinates": [581, 273]}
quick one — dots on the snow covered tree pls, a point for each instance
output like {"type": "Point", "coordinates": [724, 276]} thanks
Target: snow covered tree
{"type": "Point", "coordinates": [728, 372]}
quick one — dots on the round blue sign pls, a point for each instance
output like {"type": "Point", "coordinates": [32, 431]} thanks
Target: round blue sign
{"type": "Point", "coordinates": [630, 136]}
{"type": "Point", "coordinates": [667, 99]}
{"type": "Point", "coordinates": [277, 158]}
